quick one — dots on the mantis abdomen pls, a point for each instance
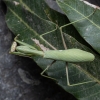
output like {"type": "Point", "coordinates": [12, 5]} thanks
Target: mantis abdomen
{"type": "Point", "coordinates": [69, 55]}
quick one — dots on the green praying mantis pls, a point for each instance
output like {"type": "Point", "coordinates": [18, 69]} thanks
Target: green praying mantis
{"type": "Point", "coordinates": [69, 55]}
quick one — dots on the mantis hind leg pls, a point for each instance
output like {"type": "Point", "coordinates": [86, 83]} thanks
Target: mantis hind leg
{"type": "Point", "coordinates": [67, 76]}
{"type": "Point", "coordinates": [42, 73]}
{"type": "Point", "coordinates": [76, 84]}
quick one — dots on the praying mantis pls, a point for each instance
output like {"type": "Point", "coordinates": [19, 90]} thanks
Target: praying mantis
{"type": "Point", "coordinates": [68, 55]}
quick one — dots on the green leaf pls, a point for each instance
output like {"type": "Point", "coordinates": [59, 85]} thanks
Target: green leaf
{"type": "Point", "coordinates": [33, 18]}
{"type": "Point", "coordinates": [89, 27]}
